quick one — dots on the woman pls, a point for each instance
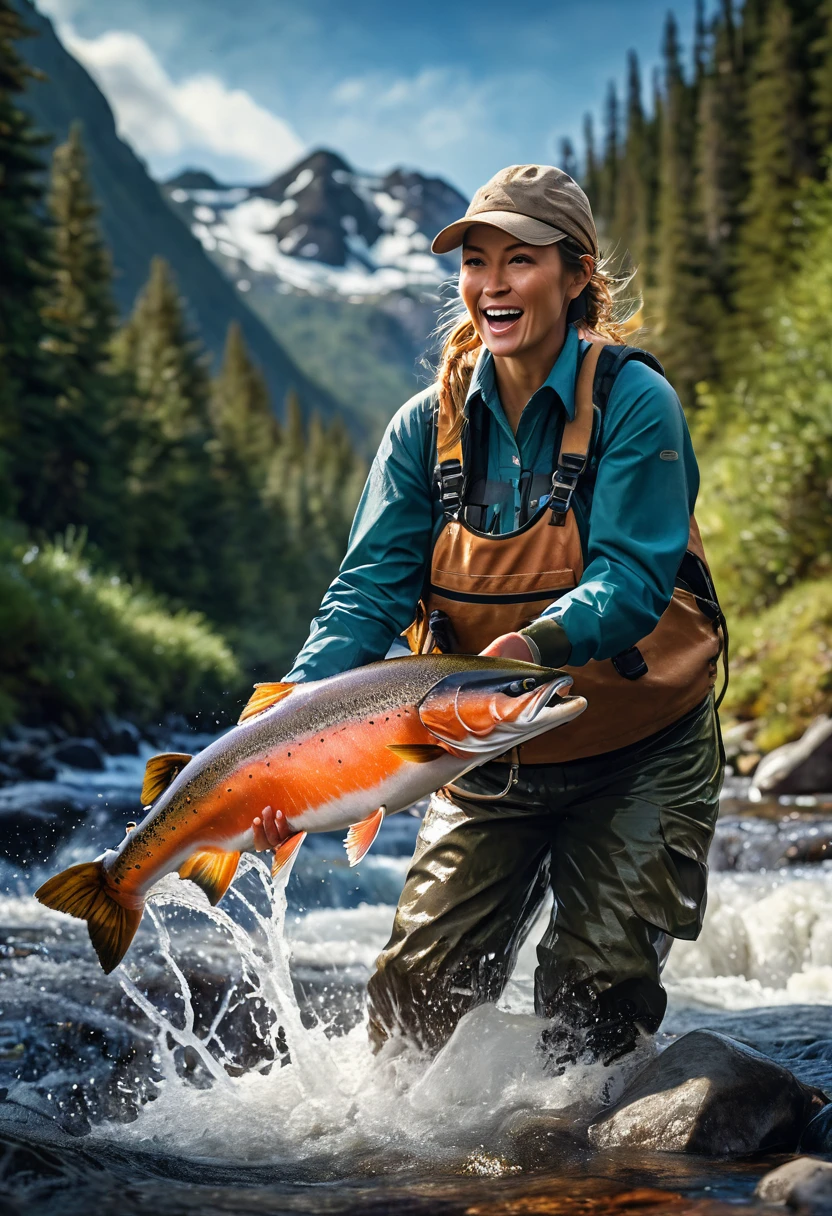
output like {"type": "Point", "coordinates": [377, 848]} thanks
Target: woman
{"type": "Point", "coordinates": [539, 499]}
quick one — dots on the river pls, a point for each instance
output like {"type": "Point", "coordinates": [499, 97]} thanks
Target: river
{"type": "Point", "coordinates": [224, 1067]}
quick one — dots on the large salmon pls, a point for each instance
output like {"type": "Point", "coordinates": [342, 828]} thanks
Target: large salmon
{"type": "Point", "coordinates": [330, 754]}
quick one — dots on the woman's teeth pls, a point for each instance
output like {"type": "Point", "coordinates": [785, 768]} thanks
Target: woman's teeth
{"type": "Point", "coordinates": [501, 319]}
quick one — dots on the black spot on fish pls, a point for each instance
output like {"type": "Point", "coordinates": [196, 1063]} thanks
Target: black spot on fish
{"type": "Point", "coordinates": [228, 791]}
{"type": "Point", "coordinates": [136, 867]}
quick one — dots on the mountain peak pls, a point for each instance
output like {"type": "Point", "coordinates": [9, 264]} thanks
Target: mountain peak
{"type": "Point", "coordinates": [324, 226]}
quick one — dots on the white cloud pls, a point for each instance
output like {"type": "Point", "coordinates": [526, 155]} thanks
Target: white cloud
{"type": "Point", "coordinates": [199, 120]}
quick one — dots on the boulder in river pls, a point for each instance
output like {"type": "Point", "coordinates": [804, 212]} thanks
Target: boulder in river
{"type": "Point", "coordinates": [802, 767]}
{"type": "Point", "coordinates": [712, 1095]}
{"type": "Point", "coordinates": [79, 753]}
{"type": "Point", "coordinates": [804, 1183]}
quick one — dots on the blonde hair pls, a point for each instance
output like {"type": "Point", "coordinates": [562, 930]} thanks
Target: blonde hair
{"type": "Point", "coordinates": [462, 345]}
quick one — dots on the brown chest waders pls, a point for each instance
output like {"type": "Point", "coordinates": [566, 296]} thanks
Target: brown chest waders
{"type": "Point", "coordinates": [488, 584]}
{"type": "Point", "coordinates": [613, 812]}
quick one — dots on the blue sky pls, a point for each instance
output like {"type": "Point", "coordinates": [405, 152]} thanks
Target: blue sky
{"type": "Point", "coordinates": [453, 88]}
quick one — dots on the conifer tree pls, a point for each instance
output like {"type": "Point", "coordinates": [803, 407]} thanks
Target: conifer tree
{"type": "Point", "coordinates": [610, 163]}
{"type": "Point", "coordinates": [25, 368]}
{"type": "Point", "coordinates": [568, 159]}
{"type": "Point", "coordinates": [74, 450]}
{"type": "Point", "coordinates": [720, 150]}
{"type": "Point", "coordinates": [241, 412]}
{"type": "Point", "coordinates": [633, 202]}
{"type": "Point", "coordinates": [592, 169]}
{"type": "Point", "coordinates": [766, 249]}
{"type": "Point", "coordinates": [685, 328]}
{"type": "Point", "coordinates": [169, 535]}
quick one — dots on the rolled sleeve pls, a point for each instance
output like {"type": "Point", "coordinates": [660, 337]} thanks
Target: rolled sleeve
{"type": "Point", "coordinates": [639, 522]}
{"type": "Point", "coordinates": [374, 596]}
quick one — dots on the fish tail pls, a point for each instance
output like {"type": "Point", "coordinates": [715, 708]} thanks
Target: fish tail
{"type": "Point", "coordinates": [83, 891]}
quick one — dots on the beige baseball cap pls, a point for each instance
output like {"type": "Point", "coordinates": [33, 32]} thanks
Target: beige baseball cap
{"type": "Point", "coordinates": [538, 204]}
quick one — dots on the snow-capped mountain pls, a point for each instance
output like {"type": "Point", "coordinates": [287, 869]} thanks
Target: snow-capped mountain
{"type": "Point", "coordinates": [323, 228]}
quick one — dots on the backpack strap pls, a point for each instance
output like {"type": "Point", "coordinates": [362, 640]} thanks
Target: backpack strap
{"type": "Point", "coordinates": [576, 439]}
{"type": "Point", "coordinates": [449, 472]}
{"type": "Point", "coordinates": [600, 367]}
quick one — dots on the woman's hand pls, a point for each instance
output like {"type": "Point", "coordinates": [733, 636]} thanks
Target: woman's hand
{"type": "Point", "coordinates": [270, 829]}
{"type": "Point", "coordinates": [510, 646]}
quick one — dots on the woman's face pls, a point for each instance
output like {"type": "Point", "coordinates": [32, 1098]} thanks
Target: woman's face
{"type": "Point", "coordinates": [516, 295]}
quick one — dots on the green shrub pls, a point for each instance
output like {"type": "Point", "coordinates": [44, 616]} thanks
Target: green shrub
{"type": "Point", "coordinates": [781, 664]}
{"type": "Point", "coordinates": [76, 643]}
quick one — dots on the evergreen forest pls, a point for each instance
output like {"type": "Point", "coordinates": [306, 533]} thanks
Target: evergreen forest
{"type": "Point", "coordinates": [163, 539]}
{"type": "Point", "coordinates": [717, 191]}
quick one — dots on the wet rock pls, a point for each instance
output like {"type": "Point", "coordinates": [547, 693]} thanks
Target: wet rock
{"type": "Point", "coordinates": [120, 737]}
{"type": "Point", "coordinates": [803, 767]}
{"type": "Point", "coordinates": [533, 1139]}
{"type": "Point", "coordinates": [27, 758]}
{"type": "Point", "coordinates": [805, 1184]}
{"type": "Point", "coordinates": [712, 1095]}
{"type": "Point", "coordinates": [817, 1138]}
{"type": "Point", "coordinates": [79, 753]}
{"type": "Point", "coordinates": [749, 844]}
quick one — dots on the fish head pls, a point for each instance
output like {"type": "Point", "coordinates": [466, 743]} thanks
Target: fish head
{"type": "Point", "coordinates": [489, 706]}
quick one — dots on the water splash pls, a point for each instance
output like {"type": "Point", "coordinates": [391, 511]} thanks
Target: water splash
{"type": "Point", "coordinates": [318, 1096]}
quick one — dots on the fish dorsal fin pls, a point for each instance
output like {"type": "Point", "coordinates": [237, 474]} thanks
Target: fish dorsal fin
{"type": "Point", "coordinates": [417, 753]}
{"type": "Point", "coordinates": [284, 853]}
{"type": "Point", "coordinates": [159, 773]}
{"type": "Point", "coordinates": [211, 869]}
{"type": "Point", "coordinates": [361, 836]}
{"type": "Point", "coordinates": [263, 698]}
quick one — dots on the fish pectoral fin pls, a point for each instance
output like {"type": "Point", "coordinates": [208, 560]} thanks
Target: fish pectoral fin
{"type": "Point", "coordinates": [211, 869]}
{"type": "Point", "coordinates": [159, 772]}
{"type": "Point", "coordinates": [417, 753]}
{"type": "Point", "coordinates": [284, 853]}
{"type": "Point", "coordinates": [263, 698]}
{"type": "Point", "coordinates": [361, 836]}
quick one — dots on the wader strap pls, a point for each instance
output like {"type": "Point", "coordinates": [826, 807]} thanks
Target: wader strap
{"type": "Point", "coordinates": [577, 435]}
{"type": "Point", "coordinates": [448, 472]}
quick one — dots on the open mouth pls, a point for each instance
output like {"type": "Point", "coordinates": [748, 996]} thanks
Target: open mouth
{"type": "Point", "coordinates": [549, 696]}
{"type": "Point", "coordinates": [501, 320]}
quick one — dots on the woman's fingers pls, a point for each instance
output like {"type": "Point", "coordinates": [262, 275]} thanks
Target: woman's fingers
{"type": "Point", "coordinates": [270, 829]}
{"type": "Point", "coordinates": [509, 646]}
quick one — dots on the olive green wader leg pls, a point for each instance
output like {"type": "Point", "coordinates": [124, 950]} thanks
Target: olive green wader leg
{"type": "Point", "coordinates": [476, 881]}
{"type": "Point", "coordinates": [623, 836]}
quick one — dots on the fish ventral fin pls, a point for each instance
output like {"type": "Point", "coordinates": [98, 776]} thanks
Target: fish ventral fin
{"type": "Point", "coordinates": [284, 853]}
{"type": "Point", "coordinates": [159, 773]}
{"type": "Point", "coordinates": [361, 836]}
{"type": "Point", "coordinates": [417, 753]}
{"type": "Point", "coordinates": [83, 891]}
{"type": "Point", "coordinates": [211, 869]}
{"type": "Point", "coordinates": [263, 698]}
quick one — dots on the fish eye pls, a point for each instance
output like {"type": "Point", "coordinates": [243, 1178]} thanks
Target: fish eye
{"type": "Point", "coordinates": [517, 686]}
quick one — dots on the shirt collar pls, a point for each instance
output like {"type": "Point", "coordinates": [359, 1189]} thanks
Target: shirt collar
{"type": "Point", "coordinates": [561, 378]}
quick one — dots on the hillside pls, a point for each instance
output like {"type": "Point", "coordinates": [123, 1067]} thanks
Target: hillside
{"type": "Point", "coordinates": [136, 221]}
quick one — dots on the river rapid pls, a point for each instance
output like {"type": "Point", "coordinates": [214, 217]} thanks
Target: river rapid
{"type": "Point", "coordinates": [224, 1067]}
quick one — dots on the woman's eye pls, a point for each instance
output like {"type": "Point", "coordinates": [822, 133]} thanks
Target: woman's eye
{"type": "Point", "coordinates": [472, 261]}
{"type": "Point", "coordinates": [522, 258]}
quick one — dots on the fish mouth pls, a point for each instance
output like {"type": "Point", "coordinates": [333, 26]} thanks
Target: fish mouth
{"type": "Point", "coordinates": [550, 695]}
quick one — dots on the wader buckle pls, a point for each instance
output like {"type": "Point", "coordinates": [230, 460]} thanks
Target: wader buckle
{"type": "Point", "coordinates": [564, 483]}
{"type": "Point", "coordinates": [451, 480]}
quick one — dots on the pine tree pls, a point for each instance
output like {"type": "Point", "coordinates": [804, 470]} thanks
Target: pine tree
{"type": "Point", "coordinates": [25, 368]}
{"type": "Point", "coordinates": [610, 163]}
{"type": "Point", "coordinates": [73, 474]}
{"type": "Point", "coordinates": [685, 331]}
{"type": "Point", "coordinates": [592, 170]}
{"type": "Point", "coordinates": [633, 202]}
{"type": "Point", "coordinates": [568, 158]}
{"type": "Point", "coordinates": [720, 151]}
{"type": "Point", "coordinates": [172, 517]}
{"type": "Point", "coordinates": [241, 411]}
{"type": "Point", "coordinates": [766, 248]}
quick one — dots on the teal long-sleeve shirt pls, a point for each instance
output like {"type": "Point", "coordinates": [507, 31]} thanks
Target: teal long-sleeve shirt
{"type": "Point", "coordinates": [634, 523]}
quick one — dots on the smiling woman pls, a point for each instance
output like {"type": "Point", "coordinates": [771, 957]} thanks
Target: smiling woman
{"type": "Point", "coordinates": [526, 506]}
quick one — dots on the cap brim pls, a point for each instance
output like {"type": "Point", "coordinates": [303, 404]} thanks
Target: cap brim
{"type": "Point", "coordinates": [523, 227]}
